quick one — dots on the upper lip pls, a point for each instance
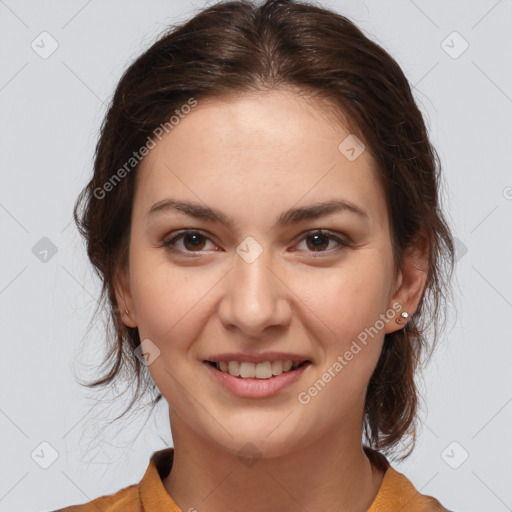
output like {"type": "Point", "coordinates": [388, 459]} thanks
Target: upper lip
{"type": "Point", "coordinates": [257, 358]}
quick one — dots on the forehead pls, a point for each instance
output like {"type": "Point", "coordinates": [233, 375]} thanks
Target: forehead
{"type": "Point", "coordinates": [264, 120]}
{"type": "Point", "coordinates": [259, 147]}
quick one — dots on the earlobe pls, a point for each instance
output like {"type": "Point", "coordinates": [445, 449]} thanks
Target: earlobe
{"type": "Point", "coordinates": [403, 318]}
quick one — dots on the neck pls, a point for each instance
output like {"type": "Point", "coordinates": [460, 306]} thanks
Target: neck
{"type": "Point", "coordinates": [329, 474]}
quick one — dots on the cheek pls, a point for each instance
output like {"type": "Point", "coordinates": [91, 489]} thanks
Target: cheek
{"type": "Point", "coordinates": [168, 304]}
{"type": "Point", "coordinates": [353, 298]}
{"type": "Point", "coordinates": [166, 297]}
{"type": "Point", "coordinates": [352, 305]}
{"type": "Point", "coordinates": [352, 310]}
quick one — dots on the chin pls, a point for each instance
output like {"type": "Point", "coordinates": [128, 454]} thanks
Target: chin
{"type": "Point", "coordinates": [253, 439]}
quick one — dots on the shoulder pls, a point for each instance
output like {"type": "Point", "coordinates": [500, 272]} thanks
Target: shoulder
{"type": "Point", "coordinates": [148, 494]}
{"type": "Point", "coordinates": [125, 500]}
{"type": "Point", "coordinates": [397, 492]}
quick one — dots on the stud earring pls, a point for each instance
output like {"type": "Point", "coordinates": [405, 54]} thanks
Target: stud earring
{"type": "Point", "coordinates": [403, 318]}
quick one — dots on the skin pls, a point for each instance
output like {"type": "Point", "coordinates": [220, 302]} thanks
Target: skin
{"type": "Point", "coordinates": [252, 157]}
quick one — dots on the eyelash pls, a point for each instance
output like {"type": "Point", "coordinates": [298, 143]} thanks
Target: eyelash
{"type": "Point", "coordinates": [170, 244]}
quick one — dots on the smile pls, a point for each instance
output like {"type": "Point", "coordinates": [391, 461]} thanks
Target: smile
{"type": "Point", "coordinates": [263, 370]}
{"type": "Point", "coordinates": [256, 380]}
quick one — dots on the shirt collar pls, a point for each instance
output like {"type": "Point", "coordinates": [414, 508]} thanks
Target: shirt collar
{"type": "Point", "coordinates": [153, 494]}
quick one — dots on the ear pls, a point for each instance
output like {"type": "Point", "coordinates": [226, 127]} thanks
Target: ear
{"type": "Point", "coordinates": [411, 281]}
{"type": "Point", "coordinates": [124, 297]}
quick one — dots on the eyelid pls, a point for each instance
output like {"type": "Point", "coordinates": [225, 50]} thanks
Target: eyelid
{"type": "Point", "coordinates": [168, 242]}
{"type": "Point", "coordinates": [342, 240]}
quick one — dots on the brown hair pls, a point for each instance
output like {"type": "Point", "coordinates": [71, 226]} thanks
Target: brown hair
{"type": "Point", "coordinates": [236, 47]}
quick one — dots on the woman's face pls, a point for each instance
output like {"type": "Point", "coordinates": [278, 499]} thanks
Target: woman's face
{"type": "Point", "coordinates": [251, 281]}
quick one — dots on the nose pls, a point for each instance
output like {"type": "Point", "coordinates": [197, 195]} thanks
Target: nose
{"type": "Point", "coordinates": [255, 297]}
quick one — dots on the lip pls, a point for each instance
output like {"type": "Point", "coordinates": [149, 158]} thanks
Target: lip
{"type": "Point", "coordinates": [252, 387]}
{"type": "Point", "coordinates": [256, 358]}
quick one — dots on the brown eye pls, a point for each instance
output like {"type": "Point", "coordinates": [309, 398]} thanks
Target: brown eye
{"type": "Point", "coordinates": [319, 241]}
{"type": "Point", "coordinates": [191, 241]}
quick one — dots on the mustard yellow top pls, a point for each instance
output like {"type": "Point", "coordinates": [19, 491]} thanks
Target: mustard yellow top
{"type": "Point", "coordinates": [396, 493]}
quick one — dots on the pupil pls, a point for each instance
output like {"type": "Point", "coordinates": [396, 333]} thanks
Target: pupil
{"type": "Point", "coordinates": [196, 239]}
{"type": "Point", "coordinates": [318, 242]}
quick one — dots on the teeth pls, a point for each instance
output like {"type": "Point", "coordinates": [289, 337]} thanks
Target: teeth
{"type": "Point", "coordinates": [277, 367]}
{"type": "Point", "coordinates": [233, 368]}
{"type": "Point", "coordinates": [263, 370]}
{"type": "Point", "coordinates": [247, 370]}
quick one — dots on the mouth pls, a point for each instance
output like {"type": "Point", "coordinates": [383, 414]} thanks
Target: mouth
{"type": "Point", "coordinates": [267, 375]}
{"type": "Point", "coordinates": [258, 371]}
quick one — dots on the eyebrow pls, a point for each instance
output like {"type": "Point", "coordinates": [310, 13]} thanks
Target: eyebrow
{"type": "Point", "coordinates": [288, 217]}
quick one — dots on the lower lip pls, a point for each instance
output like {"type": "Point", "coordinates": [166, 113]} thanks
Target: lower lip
{"type": "Point", "coordinates": [256, 388]}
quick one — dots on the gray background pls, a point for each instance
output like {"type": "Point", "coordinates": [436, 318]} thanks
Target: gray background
{"type": "Point", "coordinates": [51, 109]}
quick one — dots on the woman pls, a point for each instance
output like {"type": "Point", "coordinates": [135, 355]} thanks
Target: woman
{"type": "Point", "coordinates": [264, 214]}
